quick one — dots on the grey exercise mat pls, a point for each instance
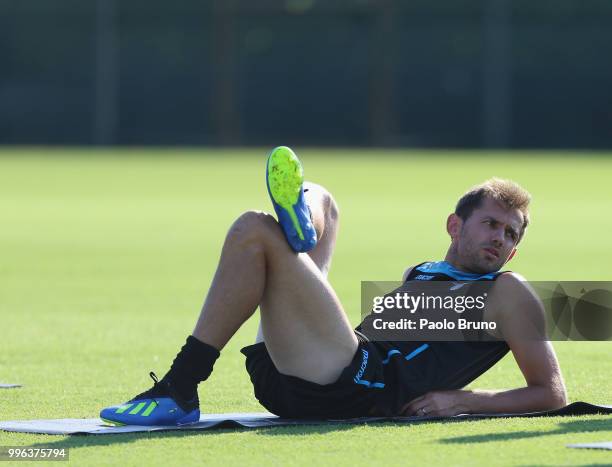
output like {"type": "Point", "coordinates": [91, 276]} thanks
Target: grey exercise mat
{"type": "Point", "coordinates": [604, 445]}
{"type": "Point", "coordinates": [94, 426]}
{"type": "Point", "coordinates": [8, 385]}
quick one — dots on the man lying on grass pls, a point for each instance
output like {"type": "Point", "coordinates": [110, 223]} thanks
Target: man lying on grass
{"type": "Point", "coordinates": [308, 362]}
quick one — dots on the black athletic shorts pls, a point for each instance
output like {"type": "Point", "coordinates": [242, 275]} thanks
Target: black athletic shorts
{"type": "Point", "coordinates": [354, 394]}
{"type": "Point", "coordinates": [380, 380]}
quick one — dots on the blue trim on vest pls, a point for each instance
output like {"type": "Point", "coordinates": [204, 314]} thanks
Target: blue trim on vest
{"type": "Point", "coordinates": [410, 356]}
{"type": "Point", "coordinates": [390, 354]}
{"type": "Point", "coordinates": [370, 385]}
{"type": "Point", "coordinates": [416, 351]}
{"type": "Point", "coordinates": [442, 267]}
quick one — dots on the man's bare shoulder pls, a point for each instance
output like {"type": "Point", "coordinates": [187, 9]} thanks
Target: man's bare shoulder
{"type": "Point", "coordinates": [516, 307]}
{"type": "Point", "coordinates": [512, 285]}
{"type": "Point", "coordinates": [511, 276]}
{"type": "Point", "coordinates": [407, 273]}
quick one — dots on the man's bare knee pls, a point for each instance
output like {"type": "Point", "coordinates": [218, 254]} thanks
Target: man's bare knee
{"type": "Point", "coordinates": [332, 212]}
{"type": "Point", "coordinates": [254, 229]}
{"type": "Point", "coordinates": [322, 204]}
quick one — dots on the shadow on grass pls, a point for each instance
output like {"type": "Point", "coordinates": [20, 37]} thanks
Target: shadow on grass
{"type": "Point", "coordinates": [576, 426]}
{"type": "Point", "coordinates": [603, 464]}
{"type": "Point", "coordinates": [80, 441]}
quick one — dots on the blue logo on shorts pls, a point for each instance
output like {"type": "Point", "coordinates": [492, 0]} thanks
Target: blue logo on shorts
{"type": "Point", "coordinates": [363, 367]}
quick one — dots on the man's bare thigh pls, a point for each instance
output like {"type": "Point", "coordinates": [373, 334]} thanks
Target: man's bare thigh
{"type": "Point", "coordinates": [306, 330]}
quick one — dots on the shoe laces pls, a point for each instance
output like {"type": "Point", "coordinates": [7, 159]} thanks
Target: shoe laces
{"type": "Point", "coordinates": [161, 388]}
{"type": "Point", "coordinates": [156, 390]}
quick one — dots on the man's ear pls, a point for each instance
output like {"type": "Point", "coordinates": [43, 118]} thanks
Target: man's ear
{"type": "Point", "coordinates": [511, 256]}
{"type": "Point", "coordinates": [453, 225]}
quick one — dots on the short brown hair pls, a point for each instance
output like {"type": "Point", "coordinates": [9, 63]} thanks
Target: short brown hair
{"type": "Point", "coordinates": [507, 192]}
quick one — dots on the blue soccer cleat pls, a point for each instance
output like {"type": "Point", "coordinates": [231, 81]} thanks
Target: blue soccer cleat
{"type": "Point", "coordinates": [160, 405]}
{"type": "Point", "coordinates": [285, 179]}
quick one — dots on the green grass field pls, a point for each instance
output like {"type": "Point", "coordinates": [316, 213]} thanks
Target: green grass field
{"type": "Point", "coordinates": [105, 259]}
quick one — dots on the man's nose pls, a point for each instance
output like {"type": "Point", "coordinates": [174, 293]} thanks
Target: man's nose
{"type": "Point", "coordinates": [498, 238]}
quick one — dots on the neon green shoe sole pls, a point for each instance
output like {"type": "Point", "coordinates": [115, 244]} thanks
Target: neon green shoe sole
{"type": "Point", "coordinates": [285, 179]}
{"type": "Point", "coordinates": [110, 422]}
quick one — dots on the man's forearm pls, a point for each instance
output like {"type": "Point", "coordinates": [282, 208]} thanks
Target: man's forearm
{"type": "Point", "coordinates": [528, 399]}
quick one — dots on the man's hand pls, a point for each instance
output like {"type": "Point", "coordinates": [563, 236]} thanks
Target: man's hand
{"type": "Point", "coordinates": [532, 398]}
{"type": "Point", "coordinates": [438, 404]}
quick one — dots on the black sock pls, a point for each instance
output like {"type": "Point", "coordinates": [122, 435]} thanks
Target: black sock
{"type": "Point", "coordinates": [192, 365]}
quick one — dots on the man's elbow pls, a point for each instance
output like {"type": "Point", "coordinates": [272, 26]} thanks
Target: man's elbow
{"type": "Point", "coordinates": [557, 395]}
{"type": "Point", "coordinates": [561, 399]}
{"type": "Point", "coordinates": [551, 395]}
{"type": "Point", "coordinates": [557, 400]}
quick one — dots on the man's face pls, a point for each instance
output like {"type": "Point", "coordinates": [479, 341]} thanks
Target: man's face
{"type": "Point", "coordinates": [485, 241]}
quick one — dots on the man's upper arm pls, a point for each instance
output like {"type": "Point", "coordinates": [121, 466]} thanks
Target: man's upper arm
{"type": "Point", "coordinates": [520, 314]}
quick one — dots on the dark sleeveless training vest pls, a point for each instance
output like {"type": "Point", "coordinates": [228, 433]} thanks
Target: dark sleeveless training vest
{"type": "Point", "coordinates": [415, 368]}
{"type": "Point", "coordinates": [460, 362]}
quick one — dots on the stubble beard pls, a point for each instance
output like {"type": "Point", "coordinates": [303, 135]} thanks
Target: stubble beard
{"type": "Point", "coordinates": [475, 262]}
